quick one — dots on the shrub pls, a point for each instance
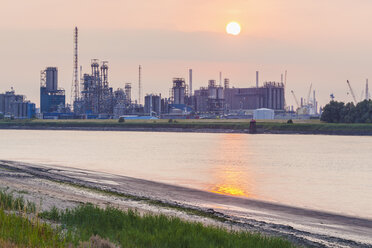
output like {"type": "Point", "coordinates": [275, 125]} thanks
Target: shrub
{"type": "Point", "coordinates": [121, 120]}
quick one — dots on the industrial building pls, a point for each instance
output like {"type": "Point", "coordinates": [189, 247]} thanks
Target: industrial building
{"type": "Point", "coordinates": [16, 106]}
{"type": "Point", "coordinates": [179, 91]}
{"type": "Point", "coordinates": [210, 99]}
{"type": "Point", "coordinates": [153, 104]}
{"type": "Point", "coordinates": [270, 96]}
{"type": "Point", "coordinates": [52, 98]}
{"type": "Point", "coordinates": [218, 99]}
{"type": "Point", "coordinates": [98, 98]}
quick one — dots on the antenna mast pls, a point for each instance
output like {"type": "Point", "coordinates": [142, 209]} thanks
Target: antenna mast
{"type": "Point", "coordinates": [76, 73]}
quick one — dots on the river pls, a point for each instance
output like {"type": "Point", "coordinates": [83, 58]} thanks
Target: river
{"type": "Point", "coordinates": [320, 172]}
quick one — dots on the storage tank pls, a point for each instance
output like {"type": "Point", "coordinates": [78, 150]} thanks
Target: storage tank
{"type": "Point", "coordinates": [263, 114]}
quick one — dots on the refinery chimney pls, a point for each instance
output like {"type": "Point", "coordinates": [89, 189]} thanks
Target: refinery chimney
{"type": "Point", "coordinates": [139, 84]}
{"type": "Point", "coordinates": [220, 79]}
{"type": "Point", "coordinates": [257, 79]}
{"type": "Point", "coordinates": [190, 81]}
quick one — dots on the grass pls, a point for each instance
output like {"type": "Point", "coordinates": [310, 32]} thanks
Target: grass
{"type": "Point", "coordinates": [188, 210]}
{"type": "Point", "coordinates": [19, 230]}
{"type": "Point", "coordinates": [129, 229]}
{"type": "Point", "coordinates": [91, 226]}
{"type": "Point", "coordinates": [9, 202]}
{"type": "Point", "coordinates": [311, 126]}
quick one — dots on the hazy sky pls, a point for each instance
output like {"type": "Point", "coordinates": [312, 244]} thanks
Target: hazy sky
{"type": "Point", "coordinates": [324, 42]}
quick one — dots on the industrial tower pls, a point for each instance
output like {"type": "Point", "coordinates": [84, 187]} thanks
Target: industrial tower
{"type": "Point", "coordinates": [139, 84]}
{"type": "Point", "coordinates": [76, 83]}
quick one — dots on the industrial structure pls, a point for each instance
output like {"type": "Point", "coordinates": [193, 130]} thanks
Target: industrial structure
{"type": "Point", "coordinates": [222, 99]}
{"type": "Point", "coordinates": [75, 83]}
{"type": "Point", "coordinates": [153, 104]}
{"type": "Point", "coordinates": [16, 106]}
{"type": "Point", "coordinates": [52, 98]}
{"type": "Point", "coordinates": [209, 99]}
{"type": "Point", "coordinates": [98, 98]}
{"type": "Point", "coordinates": [308, 105]}
{"type": "Point", "coordinates": [179, 91]}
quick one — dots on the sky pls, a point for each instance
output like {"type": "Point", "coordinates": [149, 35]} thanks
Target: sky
{"type": "Point", "coordinates": [323, 42]}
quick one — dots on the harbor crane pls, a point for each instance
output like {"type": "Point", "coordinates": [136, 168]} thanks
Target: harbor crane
{"type": "Point", "coordinates": [352, 92]}
{"type": "Point", "coordinates": [294, 96]}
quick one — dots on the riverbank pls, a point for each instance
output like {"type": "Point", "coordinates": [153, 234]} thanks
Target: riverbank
{"type": "Point", "coordinates": [67, 188]}
{"type": "Point", "coordinates": [201, 126]}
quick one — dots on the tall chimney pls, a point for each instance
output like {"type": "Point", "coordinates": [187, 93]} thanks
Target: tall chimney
{"type": "Point", "coordinates": [139, 84]}
{"type": "Point", "coordinates": [257, 79]}
{"type": "Point", "coordinates": [220, 78]}
{"type": "Point", "coordinates": [314, 102]}
{"type": "Point", "coordinates": [190, 81]}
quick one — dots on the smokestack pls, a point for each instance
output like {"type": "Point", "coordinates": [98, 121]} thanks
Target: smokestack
{"type": "Point", "coordinates": [257, 79]}
{"type": "Point", "coordinates": [190, 81]}
{"type": "Point", "coordinates": [220, 79]}
{"type": "Point", "coordinates": [302, 102]}
{"type": "Point", "coordinates": [314, 97]}
{"type": "Point", "coordinates": [139, 83]}
{"type": "Point", "coordinates": [281, 78]}
{"type": "Point", "coordinates": [314, 102]}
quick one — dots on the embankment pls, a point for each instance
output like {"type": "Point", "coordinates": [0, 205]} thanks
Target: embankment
{"type": "Point", "coordinates": [201, 126]}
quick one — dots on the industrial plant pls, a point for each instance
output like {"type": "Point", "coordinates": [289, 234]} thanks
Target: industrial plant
{"type": "Point", "coordinates": [16, 106]}
{"type": "Point", "coordinates": [92, 97]}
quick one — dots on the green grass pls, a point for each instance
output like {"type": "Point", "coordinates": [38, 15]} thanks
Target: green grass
{"type": "Point", "coordinates": [126, 228]}
{"type": "Point", "coordinates": [30, 233]}
{"type": "Point", "coordinates": [129, 229]}
{"type": "Point", "coordinates": [9, 202]}
{"type": "Point", "coordinates": [311, 126]}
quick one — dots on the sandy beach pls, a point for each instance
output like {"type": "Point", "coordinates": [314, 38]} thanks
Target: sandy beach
{"type": "Point", "coordinates": [50, 186]}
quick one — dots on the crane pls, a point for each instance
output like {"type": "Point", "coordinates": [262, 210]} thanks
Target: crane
{"type": "Point", "coordinates": [294, 96]}
{"type": "Point", "coordinates": [352, 92]}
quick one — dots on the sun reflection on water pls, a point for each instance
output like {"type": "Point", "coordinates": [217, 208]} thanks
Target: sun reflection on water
{"type": "Point", "coordinates": [231, 176]}
{"type": "Point", "coordinates": [229, 190]}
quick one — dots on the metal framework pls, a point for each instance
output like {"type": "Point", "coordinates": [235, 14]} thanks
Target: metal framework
{"type": "Point", "coordinates": [76, 82]}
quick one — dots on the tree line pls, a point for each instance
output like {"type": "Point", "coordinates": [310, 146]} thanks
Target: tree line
{"type": "Point", "coordinates": [339, 112]}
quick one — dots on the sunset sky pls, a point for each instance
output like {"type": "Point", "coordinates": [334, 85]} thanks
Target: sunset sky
{"type": "Point", "coordinates": [324, 42]}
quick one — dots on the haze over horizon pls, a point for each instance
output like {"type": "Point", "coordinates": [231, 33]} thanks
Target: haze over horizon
{"type": "Point", "coordinates": [320, 42]}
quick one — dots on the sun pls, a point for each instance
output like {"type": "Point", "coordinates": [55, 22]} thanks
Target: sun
{"type": "Point", "coordinates": [233, 28]}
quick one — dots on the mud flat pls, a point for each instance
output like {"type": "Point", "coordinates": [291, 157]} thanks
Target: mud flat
{"type": "Point", "coordinates": [62, 187]}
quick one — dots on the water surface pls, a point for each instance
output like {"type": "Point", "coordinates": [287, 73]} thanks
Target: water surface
{"type": "Point", "coordinates": [329, 173]}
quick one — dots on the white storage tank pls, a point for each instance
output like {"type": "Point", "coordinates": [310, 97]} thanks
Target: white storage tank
{"type": "Point", "coordinates": [263, 114]}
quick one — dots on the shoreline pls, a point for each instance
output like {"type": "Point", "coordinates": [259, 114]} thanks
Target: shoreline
{"type": "Point", "coordinates": [189, 130]}
{"type": "Point", "coordinates": [67, 186]}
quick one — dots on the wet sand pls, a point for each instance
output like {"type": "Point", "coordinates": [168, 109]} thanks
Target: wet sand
{"type": "Point", "coordinates": [52, 186]}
